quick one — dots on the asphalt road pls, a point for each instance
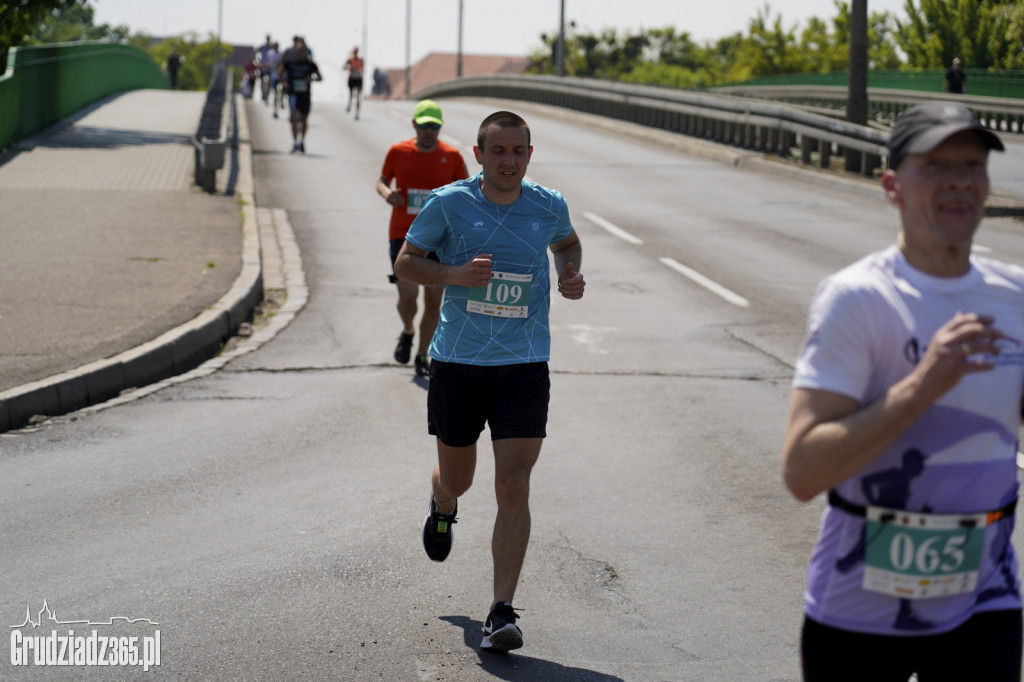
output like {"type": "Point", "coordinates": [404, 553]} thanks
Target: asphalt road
{"type": "Point", "coordinates": [265, 518]}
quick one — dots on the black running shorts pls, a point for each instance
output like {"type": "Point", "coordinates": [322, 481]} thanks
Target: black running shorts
{"type": "Point", "coordinates": [511, 399]}
{"type": "Point", "coordinates": [986, 647]}
{"type": "Point", "coordinates": [300, 102]}
{"type": "Point", "coordinates": [396, 246]}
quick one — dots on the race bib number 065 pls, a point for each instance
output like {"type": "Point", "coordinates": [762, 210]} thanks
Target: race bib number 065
{"type": "Point", "coordinates": [917, 556]}
{"type": "Point", "coordinates": [506, 295]}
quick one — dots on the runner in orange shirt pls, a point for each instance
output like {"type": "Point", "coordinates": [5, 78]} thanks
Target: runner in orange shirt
{"type": "Point", "coordinates": [416, 166]}
{"type": "Point", "coordinates": [354, 66]}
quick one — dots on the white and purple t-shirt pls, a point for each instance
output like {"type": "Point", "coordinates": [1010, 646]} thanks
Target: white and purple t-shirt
{"type": "Point", "coordinates": [868, 327]}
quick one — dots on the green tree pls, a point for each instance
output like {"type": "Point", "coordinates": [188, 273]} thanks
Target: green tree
{"type": "Point", "coordinates": [768, 49]}
{"type": "Point", "coordinates": [984, 33]}
{"type": "Point", "coordinates": [722, 55]}
{"type": "Point", "coordinates": [605, 55]}
{"type": "Point", "coordinates": [936, 31]}
{"type": "Point", "coordinates": [198, 57]}
{"type": "Point", "coordinates": [611, 54]}
{"type": "Point", "coordinates": [669, 47]}
{"type": "Point", "coordinates": [822, 47]}
{"type": "Point", "coordinates": [1010, 22]}
{"type": "Point", "coordinates": [827, 47]}
{"type": "Point", "coordinates": [672, 76]}
{"type": "Point", "coordinates": [883, 47]}
{"type": "Point", "coordinates": [73, 23]}
{"type": "Point", "coordinates": [19, 19]}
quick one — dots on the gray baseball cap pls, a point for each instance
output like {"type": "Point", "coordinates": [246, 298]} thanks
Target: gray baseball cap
{"type": "Point", "coordinates": [924, 127]}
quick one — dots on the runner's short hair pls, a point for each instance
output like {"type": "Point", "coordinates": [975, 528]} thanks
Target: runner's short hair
{"type": "Point", "coordinates": [501, 119]}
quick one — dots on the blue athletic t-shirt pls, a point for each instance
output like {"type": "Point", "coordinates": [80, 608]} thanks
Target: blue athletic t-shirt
{"type": "Point", "coordinates": [505, 323]}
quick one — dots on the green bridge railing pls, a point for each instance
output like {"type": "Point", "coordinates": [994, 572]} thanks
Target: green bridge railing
{"type": "Point", "coordinates": [980, 82]}
{"type": "Point", "coordinates": [45, 83]}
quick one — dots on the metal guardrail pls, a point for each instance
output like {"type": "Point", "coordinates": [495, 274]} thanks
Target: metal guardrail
{"type": "Point", "coordinates": [1001, 114]}
{"type": "Point", "coordinates": [744, 122]}
{"type": "Point", "coordinates": [215, 130]}
{"type": "Point", "coordinates": [982, 82]}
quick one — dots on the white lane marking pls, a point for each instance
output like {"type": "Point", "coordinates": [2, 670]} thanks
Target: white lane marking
{"type": "Point", "coordinates": [708, 284]}
{"type": "Point", "coordinates": [978, 248]}
{"type": "Point", "coordinates": [590, 337]}
{"type": "Point", "coordinates": [613, 229]}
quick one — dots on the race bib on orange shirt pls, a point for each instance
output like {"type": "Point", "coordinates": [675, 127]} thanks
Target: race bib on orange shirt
{"type": "Point", "coordinates": [415, 200]}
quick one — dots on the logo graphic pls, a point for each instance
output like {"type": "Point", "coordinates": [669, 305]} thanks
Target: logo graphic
{"type": "Point", "coordinates": [92, 649]}
{"type": "Point", "coordinates": [1009, 352]}
{"type": "Point", "coordinates": [912, 351]}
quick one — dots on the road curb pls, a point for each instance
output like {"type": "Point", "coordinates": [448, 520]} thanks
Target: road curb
{"type": "Point", "coordinates": [174, 352]}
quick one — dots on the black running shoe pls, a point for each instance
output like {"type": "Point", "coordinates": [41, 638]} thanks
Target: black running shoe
{"type": "Point", "coordinates": [404, 348]}
{"type": "Point", "coordinates": [437, 532]}
{"type": "Point", "coordinates": [500, 631]}
{"type": "Point", "coordinates": [423, 365]}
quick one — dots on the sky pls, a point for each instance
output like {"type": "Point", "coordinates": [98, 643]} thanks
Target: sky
{"type": "Point", "coordinates": [333, 27]}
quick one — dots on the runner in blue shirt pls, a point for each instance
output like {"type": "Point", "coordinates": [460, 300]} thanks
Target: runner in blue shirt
{"type": "Point", "coordinates": [491, 234]}
{"type": "Point", "coordinates": [298, 71]}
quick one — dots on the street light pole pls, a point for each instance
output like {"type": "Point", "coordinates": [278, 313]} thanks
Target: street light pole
{"type": "Point", "coordinates": [365, 21]}
{"type": "Point", "coordinates": [458, 58]}
{"type": "Point", "coordinates": [857, 93]}
{"type": "Point", "coordinates": [408, 50]}
{"type": "Point", "coordinates": [220, 25]}
{"type": "Point", "coordinates": [560, 45]}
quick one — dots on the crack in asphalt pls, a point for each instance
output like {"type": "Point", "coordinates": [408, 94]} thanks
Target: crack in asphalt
{"type": "Point", "coordinates": [561, 372]}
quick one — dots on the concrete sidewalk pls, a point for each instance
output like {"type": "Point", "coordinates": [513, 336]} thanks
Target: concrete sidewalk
{"type": "Point", "coordinates": [115, 270]}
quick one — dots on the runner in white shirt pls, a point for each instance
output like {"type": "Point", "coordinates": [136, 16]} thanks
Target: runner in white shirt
{"type": "Point", "coordinates": [905, 409]}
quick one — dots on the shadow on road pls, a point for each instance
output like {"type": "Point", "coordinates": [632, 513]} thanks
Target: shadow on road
{"type": "Point", "coordinates": [518, 668]}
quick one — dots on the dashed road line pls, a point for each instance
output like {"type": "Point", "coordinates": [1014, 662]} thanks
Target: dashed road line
{"type": "Point", "coordinates": [613, 229]}
{"type": "Point", "coordinates": [708, 284]}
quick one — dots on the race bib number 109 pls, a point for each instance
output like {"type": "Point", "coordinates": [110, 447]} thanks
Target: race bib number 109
{"type": "Point", "coordinates": [506, 295]}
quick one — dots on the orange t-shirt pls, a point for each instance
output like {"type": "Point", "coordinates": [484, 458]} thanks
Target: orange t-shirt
{"type": "Point", "coordinates": [415, 174]}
